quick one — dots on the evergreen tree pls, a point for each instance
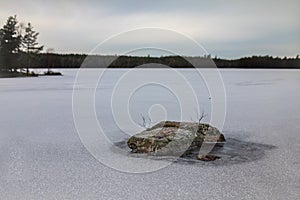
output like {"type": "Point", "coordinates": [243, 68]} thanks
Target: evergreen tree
{"type": "Point", "coordinates": [30, 43]}
{"type": "Point", "coordinates": [10, 42]}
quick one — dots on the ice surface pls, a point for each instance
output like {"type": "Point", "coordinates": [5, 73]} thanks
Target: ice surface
{"type": "Point", "coordinates": [42, 157]}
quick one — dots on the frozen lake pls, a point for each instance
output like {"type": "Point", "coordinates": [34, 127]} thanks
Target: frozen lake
{"type": "Point", "coordinates": [42, 156]}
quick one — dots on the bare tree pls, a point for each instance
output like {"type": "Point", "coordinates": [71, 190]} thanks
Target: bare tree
{"type": "Point", "coordinates": [49, 60]}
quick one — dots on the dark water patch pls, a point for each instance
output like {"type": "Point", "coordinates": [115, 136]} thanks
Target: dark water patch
{"type": "Point", "coordinates": [234, 151]}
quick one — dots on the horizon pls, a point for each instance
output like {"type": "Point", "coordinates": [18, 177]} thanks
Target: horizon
{"type": "Point", "coordinates": [226, 30]}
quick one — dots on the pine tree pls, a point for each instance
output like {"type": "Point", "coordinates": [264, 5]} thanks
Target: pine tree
{"type": "Point", "coordinates": [10, 42]}
{"type": "Point", "coordinates": [30, 43]}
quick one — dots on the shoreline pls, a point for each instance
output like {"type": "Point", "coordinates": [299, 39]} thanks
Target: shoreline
{"type": "Point", "coordinates": [27, 75]}
{"type": "Point", "coordinates": [16, 75]}
{"type": "Point", "coordinates": [56, 73]}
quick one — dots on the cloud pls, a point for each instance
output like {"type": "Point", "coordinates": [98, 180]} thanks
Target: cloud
{"type": "Point", "coordinates": [227, 28]}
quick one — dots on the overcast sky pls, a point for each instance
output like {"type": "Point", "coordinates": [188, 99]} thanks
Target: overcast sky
{"type": "Point", "coordinates": [229, 29]}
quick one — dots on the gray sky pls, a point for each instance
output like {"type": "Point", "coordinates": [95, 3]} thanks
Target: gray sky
{"type": "Point", "coordinates": [229, 29]}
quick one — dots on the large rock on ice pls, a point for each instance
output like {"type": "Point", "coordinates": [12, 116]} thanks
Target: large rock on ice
{"type": "Point", "coordinates": [174, 138]}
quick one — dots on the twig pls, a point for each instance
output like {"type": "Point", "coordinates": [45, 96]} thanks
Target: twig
{"type": "Point", "coordinates": [146, 123]}
{"type": "Point", "coordinates": [199, 117]}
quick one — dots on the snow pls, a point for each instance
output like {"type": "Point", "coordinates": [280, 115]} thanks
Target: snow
{"type": "Point", "coordinates": [42, 156]}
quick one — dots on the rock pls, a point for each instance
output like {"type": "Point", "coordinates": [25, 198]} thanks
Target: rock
{"type": "Point", "coordinates": [174, 138]}
{"type": "Point", "coordinates": [208, 157]}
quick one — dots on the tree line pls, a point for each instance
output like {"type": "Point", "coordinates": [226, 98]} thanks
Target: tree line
{"type": "Point", "coordinates": [52, 60]}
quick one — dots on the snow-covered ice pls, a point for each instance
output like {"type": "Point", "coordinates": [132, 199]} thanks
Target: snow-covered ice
{"type": "Point", "coordinates": [42, 157]}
